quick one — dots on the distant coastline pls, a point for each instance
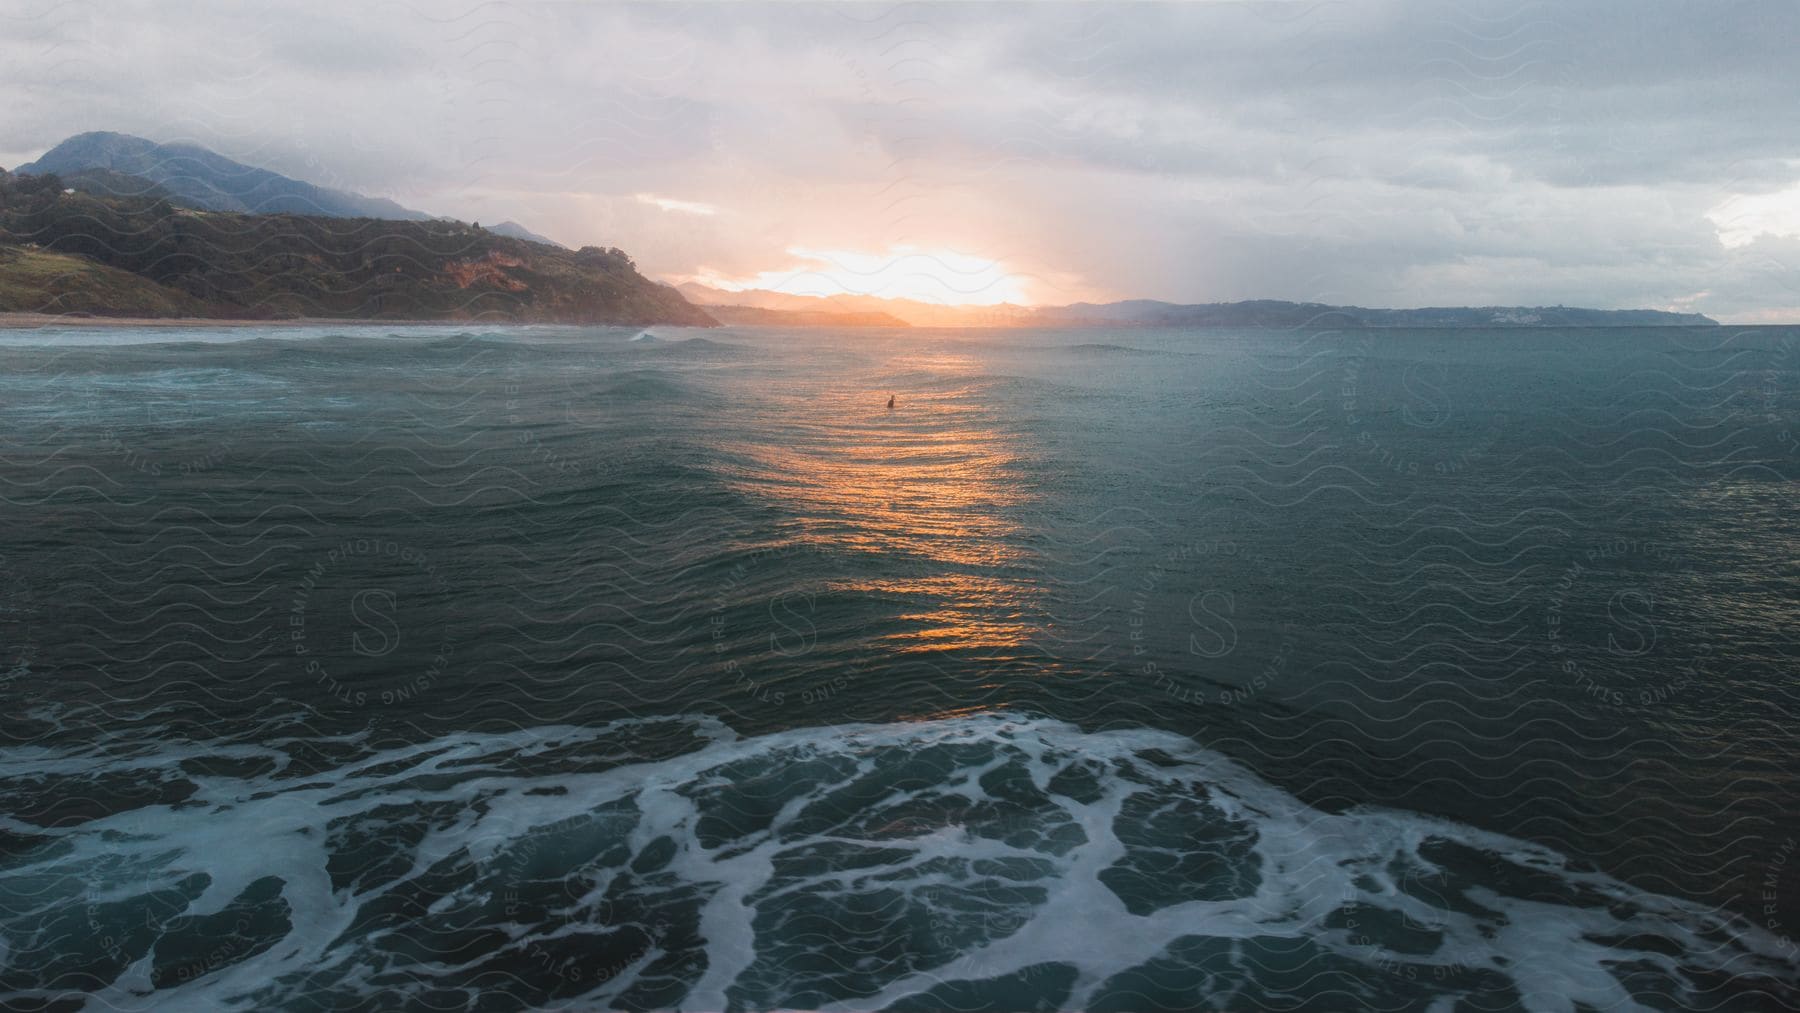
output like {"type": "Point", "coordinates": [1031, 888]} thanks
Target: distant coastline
{"type": "Point", "coordinates": [121, 228]}
{"type": "Point", "coordinates": [739, 305]}
{"type": "Point", "coordinates": [17, 321]}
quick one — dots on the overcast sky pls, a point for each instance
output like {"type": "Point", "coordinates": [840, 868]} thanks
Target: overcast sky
{"type": "Point", "coordinates": [1376, 153]}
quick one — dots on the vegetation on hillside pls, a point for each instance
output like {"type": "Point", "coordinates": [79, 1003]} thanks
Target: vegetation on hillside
{"type": "Point", "coordinates": [39, 281]}
{"type": "Point", "coordinates": [283, 266]}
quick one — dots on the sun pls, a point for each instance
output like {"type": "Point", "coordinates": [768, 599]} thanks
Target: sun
{"type": "Point", "coordinates": [943, 277]}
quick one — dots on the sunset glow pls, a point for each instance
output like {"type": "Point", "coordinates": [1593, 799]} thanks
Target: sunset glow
{"type": "Point", "coordinates": [944, 277]}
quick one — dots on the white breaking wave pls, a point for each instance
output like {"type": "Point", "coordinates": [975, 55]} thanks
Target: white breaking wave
{"type": "Point", "coordinates": [998, 859]}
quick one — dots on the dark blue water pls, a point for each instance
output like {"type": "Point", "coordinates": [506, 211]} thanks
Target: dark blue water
{"type": "Point", "coordinates": [522, 668]}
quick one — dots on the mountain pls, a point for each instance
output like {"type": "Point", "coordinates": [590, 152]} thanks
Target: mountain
{"type": "Point", "coordinates": [203, 179]}
{"type": "Point", "coordinates": [143, 255]}
{"type": "Point", "coordinates": [517, 231]}
{"type": "Point", "coordinates": [108, 183]}
{"type": "Point", "coordinates": [1153, 313]}
{"type": "Point", "coordinates": [120, 165]}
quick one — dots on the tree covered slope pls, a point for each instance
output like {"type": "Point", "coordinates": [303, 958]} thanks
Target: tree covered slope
{"type": "Point", "coordinates": [279, 266]}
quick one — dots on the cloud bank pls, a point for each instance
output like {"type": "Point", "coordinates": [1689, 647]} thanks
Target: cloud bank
{"type": "Point", "coordinates": [1377, 153]}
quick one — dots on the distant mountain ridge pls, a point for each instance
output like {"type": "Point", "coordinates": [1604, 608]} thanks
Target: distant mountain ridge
{"type": "Point", "coordinates": [204, 179]}
{"type": "Point", "coordinates": [1276, 313]}
{"type": "Point", "coordinates": [1154, 313]}
{"type": "Point", "coordinates": [121, 165]}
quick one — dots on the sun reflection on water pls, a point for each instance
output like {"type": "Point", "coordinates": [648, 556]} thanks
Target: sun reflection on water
{"type": "Point", "coordinates": [931, 490]}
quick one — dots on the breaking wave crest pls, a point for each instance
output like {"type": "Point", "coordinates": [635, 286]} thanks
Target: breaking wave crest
{"type": "Point", "coordinates": [994, 859]}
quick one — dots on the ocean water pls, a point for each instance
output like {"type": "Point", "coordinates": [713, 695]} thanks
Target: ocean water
{"type": "Point", "coordinates": [471, 667]}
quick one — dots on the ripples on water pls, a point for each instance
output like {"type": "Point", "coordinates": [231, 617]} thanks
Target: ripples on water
{"type": "Point", "coordinates": [359, 669]}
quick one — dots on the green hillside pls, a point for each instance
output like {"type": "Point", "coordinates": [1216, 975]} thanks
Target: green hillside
{"type": "Point", "coordinates": [39, 281]}
{"type": "Point", "coordinates": [283, 266]}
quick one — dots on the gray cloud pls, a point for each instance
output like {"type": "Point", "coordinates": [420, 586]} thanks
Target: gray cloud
{"type": "Point", "coordinates": [1398, 153]}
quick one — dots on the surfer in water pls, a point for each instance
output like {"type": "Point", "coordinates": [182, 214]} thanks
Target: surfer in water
{"type": "Point", "coordinates": [890, 400]}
